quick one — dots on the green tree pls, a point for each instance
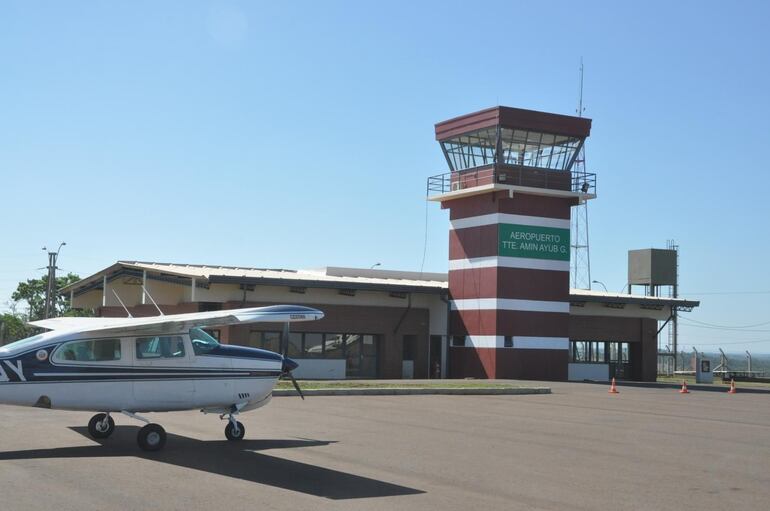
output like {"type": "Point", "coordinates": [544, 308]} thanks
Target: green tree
{"type": "Point", "coordinates": [33, 292]}
{"type": "Point", "coordinates": [13, 328]}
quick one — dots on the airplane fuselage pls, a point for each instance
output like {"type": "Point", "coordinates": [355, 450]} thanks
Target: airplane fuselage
{"type": "Point", "coordinates": [140, 372]}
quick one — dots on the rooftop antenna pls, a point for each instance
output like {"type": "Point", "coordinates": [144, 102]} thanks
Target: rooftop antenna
{"type": "Point", "coordinates": [153, 301]}
{"type": "Point", "coordinates": [580, 108]}
{"type": "Point", "coordinates": [580, 262]}
{"type": "Point", "coordinates": [121, 303]}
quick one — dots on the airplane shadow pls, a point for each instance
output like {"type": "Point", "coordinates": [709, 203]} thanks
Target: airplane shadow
{"type": "Point", "coordinates": [233, 459]}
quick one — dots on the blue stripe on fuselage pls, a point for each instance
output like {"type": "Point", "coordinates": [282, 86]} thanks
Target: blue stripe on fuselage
{"type": "Point", "coordinates": [229, 350]}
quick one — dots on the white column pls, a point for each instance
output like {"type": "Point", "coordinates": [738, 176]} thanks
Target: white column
{"type": "Point", "coordinates": [144, 285]}
{"type": "Point", "coordinates": [192, 291]}
{"type": "Point", "coordinates": [104, 290]}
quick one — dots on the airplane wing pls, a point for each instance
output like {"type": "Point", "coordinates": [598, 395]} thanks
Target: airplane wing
{"type": "Point", "coordinates": [183, 322]}
{"type": "Point", "coordinates": [74, 323]}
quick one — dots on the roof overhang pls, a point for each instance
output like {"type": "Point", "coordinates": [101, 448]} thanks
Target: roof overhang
{"type": "Point", "coordinates": [653, 302]}
{"type": "Point", "coordinates": [328, 284]}
{"type": "Point", "coordinates": [514, 118]}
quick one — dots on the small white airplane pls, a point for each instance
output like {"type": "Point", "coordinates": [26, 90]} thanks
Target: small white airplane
{"type": "Point", "coordinates": [155, 364]}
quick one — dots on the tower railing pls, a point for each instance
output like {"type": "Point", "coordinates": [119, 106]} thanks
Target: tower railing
{"type": "Point", "coordinates": [583, 182]}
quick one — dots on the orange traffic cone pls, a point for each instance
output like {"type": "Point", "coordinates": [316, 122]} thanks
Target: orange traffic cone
{"type": "Point", "coordinates": [684, 388]}
{"type": "Point", "coordinates": [732, 387]}
{"type": "Point", "coordinates": [613, 388]}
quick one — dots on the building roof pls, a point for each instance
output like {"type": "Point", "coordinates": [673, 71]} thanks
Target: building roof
{"type": "Point", "coordinates": [330, 276]}
{"type": "Point", "coordinates": [340, 278]}
{"type": "Point", "coordinates": [590, 295]}
{"type": "Point", "coordinates": [514, 118]}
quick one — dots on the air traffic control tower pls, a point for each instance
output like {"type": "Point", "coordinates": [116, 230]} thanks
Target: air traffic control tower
{"type": "Point", "coordinates": [509, 192]}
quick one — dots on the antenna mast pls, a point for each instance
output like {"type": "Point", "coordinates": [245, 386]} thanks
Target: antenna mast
{"type": "Point", "coordinates": [580, 263]}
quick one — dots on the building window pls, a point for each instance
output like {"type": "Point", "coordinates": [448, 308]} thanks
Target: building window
{"type": "Point", "coordinates": [270, 341]}
{"type": "Point", "coordinates": [359, 351]}
{"type": "Point", "coordinates": [409, 347]}
{"type": "Point", "coordinates": [335, 344]}
{"type": "Point", "coordinates": [508, 342]}
{"type": "Point", "coordinates": [313, 345]}
{"type": "Point", "coordinates": [458, 341]}
{"type": "Point", "coordinates": [599, 352]}
{"type": "Point", "coordinates": [295, 345]}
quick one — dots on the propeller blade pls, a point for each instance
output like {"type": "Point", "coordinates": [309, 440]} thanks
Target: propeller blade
{"type": "Point", "coordinates": [296, 385]}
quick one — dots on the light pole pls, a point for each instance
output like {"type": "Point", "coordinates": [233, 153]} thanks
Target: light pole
{"type": "Point", "coordinates": [602, 283]}
{"type": "Point", "coordinates": [50, 290]}
{"type": "Point", "coordinates": [375, 265]}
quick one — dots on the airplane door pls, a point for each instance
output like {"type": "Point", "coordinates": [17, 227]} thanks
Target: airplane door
{"type": "Point", "coordinates": [162, 381]}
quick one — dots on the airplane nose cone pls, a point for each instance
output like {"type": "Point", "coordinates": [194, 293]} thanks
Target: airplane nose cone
{"type": "Point", "coordinates": [289, 365]}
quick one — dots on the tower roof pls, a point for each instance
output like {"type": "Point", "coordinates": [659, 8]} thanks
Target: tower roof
{"type": "Point", "coordinates": [514, 118]}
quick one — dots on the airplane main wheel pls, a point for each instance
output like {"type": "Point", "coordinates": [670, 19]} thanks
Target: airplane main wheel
{"type": "Point", "coordinates": [234, 435]}
{"type": "Point", "coordinates": [98, 429]}
{"type": "Point", "coordinates": [152, 437]}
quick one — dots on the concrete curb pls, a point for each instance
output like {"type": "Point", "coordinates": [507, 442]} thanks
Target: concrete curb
{"type": "Point", "coordinates": [403, 391]}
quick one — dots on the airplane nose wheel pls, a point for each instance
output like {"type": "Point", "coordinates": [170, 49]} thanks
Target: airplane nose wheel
{"type": "Point", "coordinates": [235, 431]}
{"type": "Point", "coordinates": [152, 437]}
{"type": "Point", "coordinates": [101, 425]}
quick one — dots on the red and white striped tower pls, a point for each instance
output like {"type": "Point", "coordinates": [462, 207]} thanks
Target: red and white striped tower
{"type": "Point", "coordinates": [509, 192]}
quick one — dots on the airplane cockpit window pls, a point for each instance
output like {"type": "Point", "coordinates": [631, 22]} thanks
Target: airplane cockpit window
{"type": "Point", "coordinates": [98, 350]}
{"type": "Point", "coordinates": [159, 347]}
{"type": "Point", "coordinates": [202, 342]}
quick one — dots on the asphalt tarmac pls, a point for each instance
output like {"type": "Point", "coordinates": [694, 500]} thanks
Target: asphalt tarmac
{"type": "Point", "coordinates": [578, 448]}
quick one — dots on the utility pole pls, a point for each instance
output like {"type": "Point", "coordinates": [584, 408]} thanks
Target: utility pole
{"type": "Point", "coordinates": [50, 290]}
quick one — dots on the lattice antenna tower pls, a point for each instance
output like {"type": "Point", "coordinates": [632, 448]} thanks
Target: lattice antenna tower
{"type": "Point", "coordinates": [580, 262]}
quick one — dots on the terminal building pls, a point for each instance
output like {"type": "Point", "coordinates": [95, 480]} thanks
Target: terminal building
{"type": "Point", "coordinates": [504, 309]}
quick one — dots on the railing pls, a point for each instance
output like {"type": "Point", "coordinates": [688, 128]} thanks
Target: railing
{"type": "Point", "coordinates": [584, 182]}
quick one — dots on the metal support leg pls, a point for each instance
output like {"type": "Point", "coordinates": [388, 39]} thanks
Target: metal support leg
{"type": "Point", "coordinates": [135, 416]}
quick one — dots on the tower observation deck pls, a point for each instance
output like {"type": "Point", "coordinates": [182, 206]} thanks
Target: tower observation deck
{"type": "Point", "coordinates": [505, 148]}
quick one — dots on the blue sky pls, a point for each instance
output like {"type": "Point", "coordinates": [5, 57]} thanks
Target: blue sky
{"type": "Point", "coordinates": [300, 134]}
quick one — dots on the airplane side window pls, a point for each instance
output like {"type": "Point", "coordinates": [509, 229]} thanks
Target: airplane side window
{"type": "Point", "coordinates": [99, 350]}
{"type": "Point", "coordinates": [159, 347]}
{"type": "Point", "coordinates": [202, 342]}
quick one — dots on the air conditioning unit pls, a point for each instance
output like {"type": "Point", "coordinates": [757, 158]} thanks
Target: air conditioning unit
{"type": "Point", "coordinates": [457, 185]}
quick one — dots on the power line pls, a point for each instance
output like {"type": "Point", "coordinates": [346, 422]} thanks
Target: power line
{"type": "Point", "coordinates": [729, 343]}
{"type": "Point", "coordinates": [693, 293]}
{"type": "Point", "coordinates": [729, 329]}
{"type": "Point", "coordinates": [726, 326]}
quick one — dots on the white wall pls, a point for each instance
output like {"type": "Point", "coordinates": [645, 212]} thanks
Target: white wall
{"type": "Point", "coordinates": [320, 369]}
{"type": "Point", "coordinates": [596, 372]}
{"type": "Point", "coordinates": [407, 369]}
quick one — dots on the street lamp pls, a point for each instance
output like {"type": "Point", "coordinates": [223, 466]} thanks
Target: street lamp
{"type": "Point", "coordinates": [375, 265]}
{"type": "Point", "coordinates": [602, 283]}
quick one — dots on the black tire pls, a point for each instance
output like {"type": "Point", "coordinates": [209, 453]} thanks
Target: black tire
{"type": "Point", "coordinates": [232, 435]}
{"type": "Point", "coordinates": [152, 437]}
{"type": "Point", "coordinates": [95, 426]}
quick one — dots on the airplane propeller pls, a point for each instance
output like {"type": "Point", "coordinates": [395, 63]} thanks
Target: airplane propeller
{"type": "Point", "coordinates": [288, 364]}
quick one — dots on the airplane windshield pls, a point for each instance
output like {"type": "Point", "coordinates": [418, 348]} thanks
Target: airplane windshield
{"type": "Point", "coordinates": [202, 342]}
{"type": "Point", "coordinates": [22, 343]}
